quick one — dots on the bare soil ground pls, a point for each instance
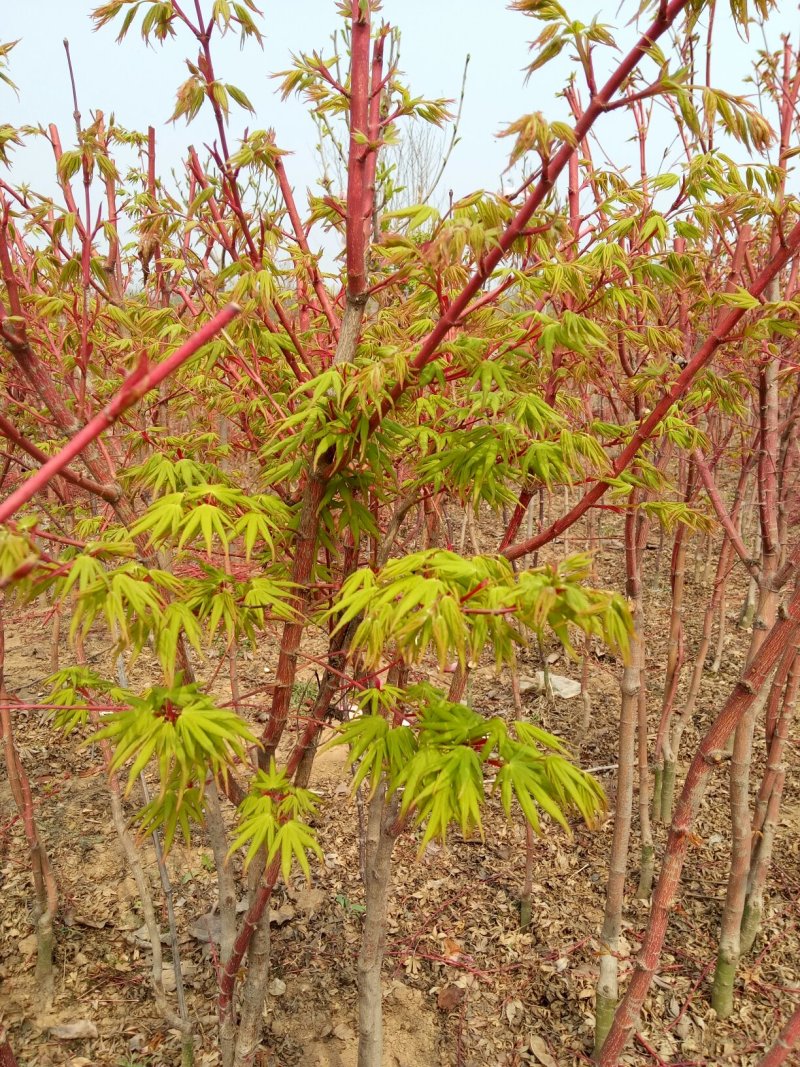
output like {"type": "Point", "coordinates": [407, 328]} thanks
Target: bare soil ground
{"type": "Point", "coordinates": [465, 987]}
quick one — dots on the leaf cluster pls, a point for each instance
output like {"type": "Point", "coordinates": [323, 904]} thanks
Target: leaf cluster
{"type": "Point", "coordinates": [274, 816]}
{"type": "Point", "coordinates": [439, 601]}
{"type": "Point", "coordinates": [439, 765]}
{"type": "Point", "coordinates": [181, 729]}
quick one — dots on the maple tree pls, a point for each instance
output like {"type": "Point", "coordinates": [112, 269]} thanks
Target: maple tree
{"type": "Point", "coordinates": [288, 471]}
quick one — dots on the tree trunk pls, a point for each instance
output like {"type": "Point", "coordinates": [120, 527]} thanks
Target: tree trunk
{"type": "Point", "coordinates": [253, 995]}
{"type": "Point", "coordinates": [380, 844]}
{"type": "Point", "coordinates": [741, 841]}
{"type": "Point", "coordinates": [666, 756]}
{"type": "Point", "coordinates": [709, 755]}
{"type": "Point", "coordinates": [608, 978]}
{"type": "Point", "coordinates": [765, 820]}
{"type": "Point", "coordinates": [226, 886]}
{"type": "Point", "coordinates": [786, 1041]}
{"type": "Point", "coordinates": [7, 1057]}
{"type": "Point", "coordinates": [729, 938]}
{"type": "Point", "coordinates": [647, 857]}
{"type": "Point", "coordinates": [46, 895]}
{"type": "Point", "coordinates": [685, 717]}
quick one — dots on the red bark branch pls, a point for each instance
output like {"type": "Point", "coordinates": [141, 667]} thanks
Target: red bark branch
{"type": "Point", "coordinates": [430, 345]}
{"type": "Point", "coordinates": [228, 977]}
{"type": "Point", "coordinates": [785, 1042]}
{"type": "Point", "coordinates": [721, 511]}
{"type": "Point", "coordinates": [136, 385]}
{"type": "Point", "coordinates": [357, 190]}
{"type": "Point", "coordinates": [105, 492]}
{"type": "Point", "coordinates": [702, 356]}
{"type": "Point", "coordinates": [708, 756]}
{"type": "Point", "coordinates": [302, 242]}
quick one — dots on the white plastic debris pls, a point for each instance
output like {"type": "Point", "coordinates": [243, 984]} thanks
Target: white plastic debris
{"type": "Point", "coordinates": [566, 688]}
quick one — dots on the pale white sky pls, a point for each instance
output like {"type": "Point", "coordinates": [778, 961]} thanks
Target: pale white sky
{"type": "Point", "coordinates": [138, 83]}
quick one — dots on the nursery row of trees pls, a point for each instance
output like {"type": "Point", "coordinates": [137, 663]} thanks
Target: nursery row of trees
{"type": "Point", "coordinates": [213, 431]}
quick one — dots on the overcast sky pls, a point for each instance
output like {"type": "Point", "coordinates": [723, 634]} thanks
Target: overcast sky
{"type": "Point", "coordinates": [138, 83]}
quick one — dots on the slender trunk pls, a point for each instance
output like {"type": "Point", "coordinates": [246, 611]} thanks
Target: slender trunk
{"type": "Point", "coordinates": [184, 1022]}
{"type": "Point", "coordinates": [134, 860]}
{"type": "Point", "coordinates": [696, 571]}
{"type": "Point", "coordinates": [647, 850]}
{"type": "Point", "coordinates": [253, 995]}
{"type": "Point", "coordinates": [226, 886]}
{"type": "Point", "coordinates": [525, 901]}
{"type": "Point", "coordinates": [586, 697]}
{"type": "Point", "coordinates": [301, 760]}
{"type": "Point", "coordinates": [721, 630]}
{"type": "Point", "coordinates": [608, 978]}
{"type": "Point", "coordinates": [473, 530]}
{"type": "Point", "coordinates": [769, 594]}
{"type": "Point", "coordinates": [767, 811]}
{"type": "Point", "coordinates": [566, 546]}
{"type": "Point", "coordinates": [458, 684]}
{"type": "Point", "coordinates": [786, 1041]}
{"type": "Point", "coordinates": [729, 938]}
{"type": "Point", "coordinates": [462, 540]}
{"type": "Point", "coordinates": [55, 638]}
{"type": "Point", "coordinates": [666, 756]}
{"type": "Point", "coordinates": [365, 81]}
{"type": "Point", "coordinates": [286, 670]}
{"type": "Point", "coordinates": [44, 883]}
{"type": "Point", "coordinates": [685, 717]}
{"type": "Point", "coordinates": [526, 897]}
{"type": "Point", "coordinates": [380, 844]}
{"type": "Point", "coordinates": [46, 896]}
{"type": "Point", "coordinates": [748, 609]}
{"type": "Point", "coordinates": [708, 567]}
{"type": "Point", "coordinates": [259, 903]}
{"type": "Point", "coordinates": [233, 676]}
{"type": "Point", "coordinates": [7, 1057]}
{"type": "Point", "coordinates": [709, 756]}
{"type": "Point", "coordinates": [750, 535]}
{"type": "Point", "coordinates": [648, 853]}
{"type": "Point", "coordinates": [655, 584]}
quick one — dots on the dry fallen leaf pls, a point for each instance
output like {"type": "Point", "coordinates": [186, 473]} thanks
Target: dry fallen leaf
{"type": "Point", "coordinates": [538, 1047]}
{"type": "Point", "coordinates": [450, 997]}
{"type": "Point", "coordinates": [81, 1028]}
{"type": "Point", "coordinates": [514, 1012]}
{"type": "Point", "coordinates": [452, 949]}
{"type": "Point", "coordinates": [28, 945]}
{"type": "Point", "coordinates": [309, 900]}
{"type": "Point", "coordinates": [94, 922]}
{"type": "Point", "coordinates": [283, 915]}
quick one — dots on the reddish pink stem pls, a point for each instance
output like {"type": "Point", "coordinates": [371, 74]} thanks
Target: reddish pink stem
{"type": "Point", "coordinates": [251, 919]}
{"type": "Point", "coordinates": [136, 385]}
{"type": "Point", "coordinates": [7, 1057]}
{"type": "Point", "coordinates": [709, 755]}
{"type": "Point", "coordinates": [359, 148]}
{"type": "Point", "coordinates": [722, 512]}
{"type": "Point", "coordinates": [668, 13]}
{"type": "Point", "coordinates": [702, 356]}
{"type": "Point", "coordinates": [785, 1042]}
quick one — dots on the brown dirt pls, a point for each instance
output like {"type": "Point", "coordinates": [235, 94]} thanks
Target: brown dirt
{"type": "Point", "coordinates": [465, 987]}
